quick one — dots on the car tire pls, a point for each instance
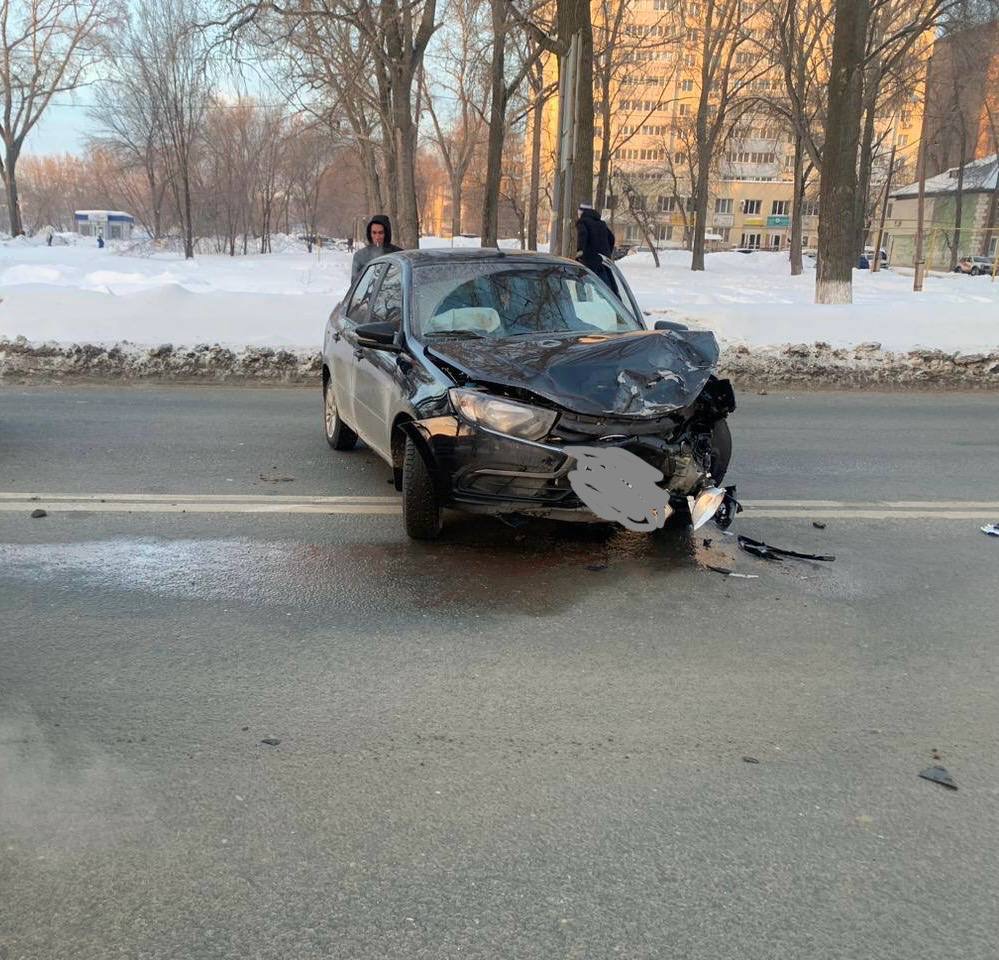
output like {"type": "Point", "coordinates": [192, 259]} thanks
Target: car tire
{"type": "Point", "coordinates": [975, 271]}
{"type": "Point", "coordinates": [421, 509]}
{"type": "Point", "coordinates": [721, 451]}
{"type": "Point", "coordinates": [958, 270]}
{"type": "Point", "coordinates": [338, 435]}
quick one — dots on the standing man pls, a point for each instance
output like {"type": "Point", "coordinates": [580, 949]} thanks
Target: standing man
{"type": "Point", "coordinates": [593, 240]}
{"type": "Point", "coordinates": [379, 234]}
{"type": "Point", "coordinates": [100, 241]}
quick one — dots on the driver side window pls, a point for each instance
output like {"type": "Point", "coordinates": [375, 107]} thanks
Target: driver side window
{"type": "Point", "coordinates": [387, 306]}
{"type": "Point", "coordinates": [358, 309]}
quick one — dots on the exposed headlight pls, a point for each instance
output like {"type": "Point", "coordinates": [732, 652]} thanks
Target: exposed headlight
{"type": "Point", "coordinates": [503, 416]}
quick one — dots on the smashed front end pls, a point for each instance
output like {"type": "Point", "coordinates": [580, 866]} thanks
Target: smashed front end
{"type": "Point", "coordinates": [501, 447]}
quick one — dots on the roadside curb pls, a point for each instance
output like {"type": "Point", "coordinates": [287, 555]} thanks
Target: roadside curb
{"type": "Point", "coordinates": [803, 366]}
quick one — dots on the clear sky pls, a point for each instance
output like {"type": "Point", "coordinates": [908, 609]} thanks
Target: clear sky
{"type": "Point", "coordinates": [63, 126]}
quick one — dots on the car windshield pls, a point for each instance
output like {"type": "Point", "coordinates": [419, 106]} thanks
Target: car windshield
{"type": "Point", "coordinates": [497, 299]}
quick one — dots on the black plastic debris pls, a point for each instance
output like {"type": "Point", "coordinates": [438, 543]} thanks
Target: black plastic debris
{"type": "Point", "coordinates": [750, 760]}
{"type": "Point", "coordinates": [991, 529]}
{"type": "Point", "coordinates": [38, 514]}
{"type": "Point", "coordinates": [939, 775]}
{"type": "Point", "coordinates": [707, 541]}
{"type": "Point", "coordinates": [596, 567]}
{"type": "Point", "coordinates": [818, 524]}
{"type": "Point", "coordinates": [732, 573]}
{"type": "Point", "coordinates": [767, 552]}
{"type": "Point", "coordinates": [728, 510]}
{"type": "Point", "coordinates": [270, 741]}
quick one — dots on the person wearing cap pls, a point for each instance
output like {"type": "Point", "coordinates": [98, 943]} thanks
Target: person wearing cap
{"type": "Point", "coordinates": [594, 240]}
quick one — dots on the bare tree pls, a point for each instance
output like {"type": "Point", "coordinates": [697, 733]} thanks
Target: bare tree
{"type": "Point", "coordinates": [46, 48]}
{"type": "Point", "coordinates": [129, 118]}
{"type": "Point", "coordinates": [725, 82]}
{"type": "Point", "coordinates": [456, 101]}
{"type": "Point", "coordinates": [624, 53]}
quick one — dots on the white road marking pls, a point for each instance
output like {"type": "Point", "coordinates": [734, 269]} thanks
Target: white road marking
{"type": "Point", "coordinates": [392, 506]}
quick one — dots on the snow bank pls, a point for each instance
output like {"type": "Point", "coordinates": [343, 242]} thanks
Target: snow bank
{"type": "Point", "coordinates": [147, 296]}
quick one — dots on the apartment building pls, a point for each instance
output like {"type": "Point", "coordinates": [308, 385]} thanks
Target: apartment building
{"type": "Point", "coordinates": [651, 137]}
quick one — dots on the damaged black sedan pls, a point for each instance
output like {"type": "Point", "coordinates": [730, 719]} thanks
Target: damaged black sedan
{"type": "Point", "coordinates": [470, 372]}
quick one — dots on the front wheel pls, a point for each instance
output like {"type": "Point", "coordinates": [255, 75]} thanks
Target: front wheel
{"type": "Point", "coordinates": [975, 271]}
{"type": "Point", "coordinates": [421, 510]}
{"type": "Point", "coordinates": [338, 435]}
{"type": "Point", "coordinates": [721, 451]}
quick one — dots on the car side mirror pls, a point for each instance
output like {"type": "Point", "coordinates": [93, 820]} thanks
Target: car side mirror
{"type": "Point", "coordinates": [378, 336]}
{"type": "Point", "coordinates": [670, 325]}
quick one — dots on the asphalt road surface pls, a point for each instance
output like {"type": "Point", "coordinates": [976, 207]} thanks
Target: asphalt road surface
{"type": "Point", "coordinates": [524, 743]}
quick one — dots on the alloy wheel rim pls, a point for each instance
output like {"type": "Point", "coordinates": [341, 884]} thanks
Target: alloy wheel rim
{"type": "Point", "coordinates": [330, 405]}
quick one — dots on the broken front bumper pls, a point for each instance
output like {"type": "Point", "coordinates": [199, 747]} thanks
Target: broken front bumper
{"type": "Point", "coordinates": [481, 471]}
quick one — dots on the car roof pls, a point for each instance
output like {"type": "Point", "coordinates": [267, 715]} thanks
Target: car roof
{"type": "Point", "coordinates": [437, 255]}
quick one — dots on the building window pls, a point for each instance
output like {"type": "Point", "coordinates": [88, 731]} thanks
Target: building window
{"type": "Point", "coordinates": [775, 241]}
{"type": "Point", "coordinates": [632, 232]}
{"type": "Point", "coordinates": [888, 210]}
{"type": "Point", "coordinates": [752, 241]}
{"type": "Point", "coordinates": [689, 60]}
{"type": "Point", "coordinates": [781, 208]}
{"type": "Point", "coordinates": [993, 246]}
{"type": "Point", "coordinates": [666, 232]}
{"type": "Point", "coordinates": [902, 140]}
{"type": "Point", "coordinates": [682, 110]}
{"type": "Point", "coordinates": [810, 208]}
{"type": "Point", "coordinates": [725, 233]}
{"type": "Point", "coordinates": [751, 207]}
{"type": "Point", "coordinates": [723, 205]}
{"type": "Point", "coordinates": [686, 86]}
{"type": "Point", "coordinates": [665, 204]}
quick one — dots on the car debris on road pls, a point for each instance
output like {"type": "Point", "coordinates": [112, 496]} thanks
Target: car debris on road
{"type": "Point", "coordinates": [767, 552]}
{"type": "Point", "coordinates": [939, 775]}
{"type": "Point", "coordinates": [991, 529]}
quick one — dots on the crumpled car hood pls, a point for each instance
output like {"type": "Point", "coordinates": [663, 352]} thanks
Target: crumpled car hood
{"type": "Point", "coordinates": [641, 374]}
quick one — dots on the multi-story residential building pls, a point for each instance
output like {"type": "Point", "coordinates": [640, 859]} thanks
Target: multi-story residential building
{"type": "Point", "coordinates": [651, 135]}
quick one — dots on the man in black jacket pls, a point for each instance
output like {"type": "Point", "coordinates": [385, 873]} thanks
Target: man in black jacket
{"type": "Point", "coordinates": [379, 234]}
{"type": "Point", "coordinates": [593, 240]}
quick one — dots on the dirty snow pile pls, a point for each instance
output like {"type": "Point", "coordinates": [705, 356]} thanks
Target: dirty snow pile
{"type": "Point", "coordinates": [142, 295]}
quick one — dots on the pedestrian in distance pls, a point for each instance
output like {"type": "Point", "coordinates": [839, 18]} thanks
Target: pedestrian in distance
{"type": "Point", "coordinates": [100, 241]}
{"type": "Point", "coordinates": [350, 244]}
{"type": "Point", "coordinates": [593, 241]}
{"type": "Point", "coordinates": [379, 234]}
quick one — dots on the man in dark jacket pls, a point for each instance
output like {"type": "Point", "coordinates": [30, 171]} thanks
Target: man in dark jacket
{"type": "Point", "coordinates": [593, 240]}
{"type": "Point", "coordinates": [379, 234]}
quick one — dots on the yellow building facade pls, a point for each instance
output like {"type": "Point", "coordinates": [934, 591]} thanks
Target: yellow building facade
{"type": "Point", "coordinates": [654, 94]}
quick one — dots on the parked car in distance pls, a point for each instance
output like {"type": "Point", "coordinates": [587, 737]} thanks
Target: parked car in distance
{"type": "Point", "coordinates": [975, 266]}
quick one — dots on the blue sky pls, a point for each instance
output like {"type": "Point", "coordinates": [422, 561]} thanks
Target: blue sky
{"type": "Point", "coordinates": [63, 126]}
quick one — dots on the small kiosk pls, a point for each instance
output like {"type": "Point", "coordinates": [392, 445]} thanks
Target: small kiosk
{"type": "Point", "coordinates": [110, 224]}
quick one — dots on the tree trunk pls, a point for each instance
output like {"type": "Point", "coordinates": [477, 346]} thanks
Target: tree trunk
{"type": "Point", "coordinates": [603, 172]}
{"type": "Point", "coordinates": [959, 202]}
{"type": "Point", "coordinates": [838, 199]}
{"type": "Point", "coordinates": [700, 208]}
{"type": "Point", "coordinates": [10, 183]}
{"type": "Point", "coordinates": [864, 187]}
{"type": "Point", "coordinates": [457, 188]}
{"type": "Point", "coordinates": [497, 126]}
{"type": "Point", "coordinates": [188, 217]}
{"type": "Point", "coordinates": [533, 196]}
{"type": "Point", "coordinates": [796, 206]}
{"type": "Point", "coordinates": [405, 139]}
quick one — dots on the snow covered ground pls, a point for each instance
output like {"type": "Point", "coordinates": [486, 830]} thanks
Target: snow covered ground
{"type": "Point", "coordinates": [74, 292]}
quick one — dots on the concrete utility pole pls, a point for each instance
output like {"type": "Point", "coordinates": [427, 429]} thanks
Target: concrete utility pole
{"type": "Point", "coordinates": [876, 266]}
{"type": "Point", "coordinates": [568, 143]}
